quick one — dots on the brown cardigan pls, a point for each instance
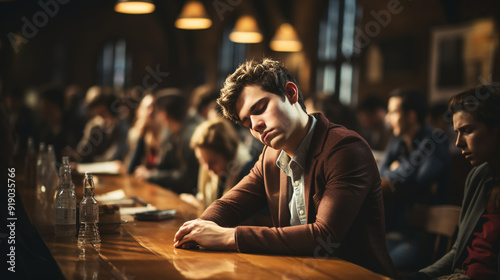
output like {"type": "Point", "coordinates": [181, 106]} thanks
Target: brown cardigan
{"type": "Point", "coordinates": [343, 201]}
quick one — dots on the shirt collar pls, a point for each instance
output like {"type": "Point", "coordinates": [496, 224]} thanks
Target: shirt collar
{"type": "Point", "coordinates": [294, 167]}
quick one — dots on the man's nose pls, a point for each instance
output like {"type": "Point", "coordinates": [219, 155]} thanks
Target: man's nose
{"type": "Point", "coordinates": [460, 143]}
{"type": "Point", "coordinates": [257, 123]}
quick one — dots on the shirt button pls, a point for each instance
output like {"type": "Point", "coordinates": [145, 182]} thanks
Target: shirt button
{"type": "Point", "coordinates": [301, 212]}
{"type": "Point", "coordinates": [296, 183]}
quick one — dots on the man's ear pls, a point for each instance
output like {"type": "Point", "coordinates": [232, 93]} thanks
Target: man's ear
{"type": "Point", "coordinates": [292, 92]}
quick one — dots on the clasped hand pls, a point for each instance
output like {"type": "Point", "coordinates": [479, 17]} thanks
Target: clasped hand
{"type": "Point", "coordinates": [206, 234]}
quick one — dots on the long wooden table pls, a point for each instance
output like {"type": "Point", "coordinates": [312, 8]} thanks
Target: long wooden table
{"type": "Point", "coordinates": [144, 250]}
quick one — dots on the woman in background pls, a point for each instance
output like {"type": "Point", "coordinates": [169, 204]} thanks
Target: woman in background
{"type": "Point", "coordinates": [476, 119]}
{"type": "Point", "coordinates": [223, 161]}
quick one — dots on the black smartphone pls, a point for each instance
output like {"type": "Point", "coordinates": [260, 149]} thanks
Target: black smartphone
{"type": "Point", "coordinates": [156, 215]}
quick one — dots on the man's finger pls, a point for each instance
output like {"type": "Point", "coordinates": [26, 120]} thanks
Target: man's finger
{"type": "Point", "coordinates": [183, 230]}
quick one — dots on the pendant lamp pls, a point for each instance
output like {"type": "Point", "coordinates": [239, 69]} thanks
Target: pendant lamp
{"type": "Point", "coordinates": [193, 16]}
{"type": "Point", "coordinates": [134, 6]}
{"type": "Point", "coordinates": [285, 39]}
{"type": "Point", "coordinates": [246, 31]}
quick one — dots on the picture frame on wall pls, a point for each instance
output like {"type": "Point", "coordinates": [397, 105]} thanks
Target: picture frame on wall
{"type": "Point", "coordinates": [461, 58]}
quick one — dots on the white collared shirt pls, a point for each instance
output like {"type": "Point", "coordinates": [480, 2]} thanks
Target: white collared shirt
{"type": "Point", "coordinates": [294, 169]}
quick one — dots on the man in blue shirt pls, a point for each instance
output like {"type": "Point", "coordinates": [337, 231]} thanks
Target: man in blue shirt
{"type": "Point", "coordinates": [417, 161]}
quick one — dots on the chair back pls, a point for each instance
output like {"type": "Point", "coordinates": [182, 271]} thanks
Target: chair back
{"type": "Point", "coordinates": [441, 220]}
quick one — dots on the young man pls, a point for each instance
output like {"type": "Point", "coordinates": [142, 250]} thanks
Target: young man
{"type": "Point", "coordinates": [417, 157]}
{"type": "Point", "coordinates": [318, 179]}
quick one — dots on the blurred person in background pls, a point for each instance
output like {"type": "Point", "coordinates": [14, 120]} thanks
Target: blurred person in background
{"type": "Point", "coordinates": [202, 101]}
{"type": "Point", "coordinates": [372, 125]}
{"type": "Point", "coordinates": [475, 253]}
{"type": "Point", "coordinates": [223, 161]}
{"type": "Point", "coordinates": [415, 160]}
{"type": "Point", "coordinates": [144, 137]}
{"type": "Point", "coordinates": [105, 134]}
{"type": "Point", "coordinates": [178, 167]}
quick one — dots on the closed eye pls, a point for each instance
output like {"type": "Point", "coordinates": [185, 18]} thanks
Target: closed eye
{"type": "Point", "coordinates": [257, 109]}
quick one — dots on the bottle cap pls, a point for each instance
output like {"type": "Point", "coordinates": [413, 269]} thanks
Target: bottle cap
{"type": "Point", "coordinates": [65, 160]}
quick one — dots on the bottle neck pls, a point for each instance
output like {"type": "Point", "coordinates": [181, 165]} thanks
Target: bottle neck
{"type": "Point", "coordinates": [89, 192]}
{"type": "Point", "coordinates": [89, 187]}
{"type": "Point", "coordinates": [66, 179]}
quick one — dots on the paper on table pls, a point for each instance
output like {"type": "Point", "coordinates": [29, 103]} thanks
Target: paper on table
{"type": "Point", "coordinates": [133, 210]}
{"type": "Point", "coordinates": [113, 195]}
{"type": "Point", "coordinates": [105, 167]}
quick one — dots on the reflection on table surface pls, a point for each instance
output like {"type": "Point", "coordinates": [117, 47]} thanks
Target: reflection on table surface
{"type": "Point", "coordinates": [144, 250]}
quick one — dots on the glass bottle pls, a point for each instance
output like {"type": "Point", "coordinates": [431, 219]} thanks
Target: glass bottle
{"type": "Point", "coordinates": [88, 233]}
{"type": "Point", "coordinates": [41, 171]}
{"type": "Point", "coordinates": [52, 179]}
{"type": "Point", "coordinates": [30, 163]}
{"type": "Point", "coordinates": [65, 203]}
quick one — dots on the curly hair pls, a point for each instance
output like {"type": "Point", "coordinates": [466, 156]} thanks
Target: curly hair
{"type": "Point", "coordinates": [269, 74]}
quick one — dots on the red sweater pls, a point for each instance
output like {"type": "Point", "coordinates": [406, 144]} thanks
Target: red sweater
{"type": "Point", "coordinates": [482, 261]}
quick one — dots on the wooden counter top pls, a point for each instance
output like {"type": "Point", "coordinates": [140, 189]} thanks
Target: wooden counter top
{"type": "Point", "coordinates": [144, 250]}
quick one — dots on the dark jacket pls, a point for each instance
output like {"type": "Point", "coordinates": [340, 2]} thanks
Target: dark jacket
{"type": "Point", "coordinates": [477, 187]}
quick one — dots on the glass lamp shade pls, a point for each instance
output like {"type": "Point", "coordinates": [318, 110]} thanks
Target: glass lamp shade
{"type": "Point", "coordinates": [246, 30]}
{"type": "Point", "coordinates": [134, 6]}
{"type": "Point", "coordinates": [286, 39]}
{"type": "Point", "coordinates": [193, 16]}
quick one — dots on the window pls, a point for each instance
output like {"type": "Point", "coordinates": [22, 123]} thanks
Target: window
{"type": "Point", "coordinates": [113, 65]}
{"type": "Point", "coordinates": [335, 73]}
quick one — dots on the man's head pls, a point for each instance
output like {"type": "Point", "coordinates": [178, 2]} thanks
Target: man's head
{"type": "Point", "coordinates": [406, 110]}
{"type": "Point", "coordinates": [371, 112]}
{"type": "Point", "coordinates": [268, 74]}
{"type": "Point", "coordinates": [171, 106]}
{"type": "Point", "coordinates": [265, 98]}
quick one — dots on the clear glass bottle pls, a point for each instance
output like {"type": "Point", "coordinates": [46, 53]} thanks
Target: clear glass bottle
{"type": "Point", "coordinates": [88, 233]}
{"type": "Point", "coordinates": [65, 203]}
{"type": "Point", "coordinates": [52, 178]}
{"type": "Point", "coordinates": [41, 171]}
{"type": "Point", "coordinates": [30, 163]}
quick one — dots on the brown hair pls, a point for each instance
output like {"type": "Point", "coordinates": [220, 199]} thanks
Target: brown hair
{"type": "Point", "coordinates": [217, 135]}
{"type": "Point", "coordinates": [482, 102]}
{"type": "Point", "coordinates": [269, 74]}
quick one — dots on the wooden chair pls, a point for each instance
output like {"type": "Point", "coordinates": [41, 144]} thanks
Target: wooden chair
{"type": "Point", "coordinates": [439, 220]}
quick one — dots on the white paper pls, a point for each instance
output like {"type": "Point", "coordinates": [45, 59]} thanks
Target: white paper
{"type": "Point", "coordinates": [133, 210]}
{"type": "Point", "coordinates": [105, 167]}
